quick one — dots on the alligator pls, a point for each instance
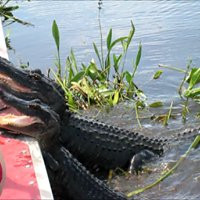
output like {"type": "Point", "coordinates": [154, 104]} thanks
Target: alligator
{"type": "Point", "coordinates": [34, 105]}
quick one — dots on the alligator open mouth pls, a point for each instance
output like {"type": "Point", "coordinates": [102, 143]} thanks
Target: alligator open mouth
{"type": "Point", "coordinates": [26, 117]}
{"type": "Point", "coordinates": [13, 119]}
{"type": "Point", "coordinates": [13, 115]}
{"type": "Point", "coordinates": [29, 102]}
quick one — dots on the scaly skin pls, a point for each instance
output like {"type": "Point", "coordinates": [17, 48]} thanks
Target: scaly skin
{"type": "Point", "coordinates": [96, 143]}
{"type": "Point", "coordinates": [107, 146]}
{"type": "Point", "coordinates": [71, 179]}
{"type": "Point", "coordinates": [68, 174]}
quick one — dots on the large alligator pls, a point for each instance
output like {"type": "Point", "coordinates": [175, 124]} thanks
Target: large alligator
{"type": "Point", "coordinates": [34, 105]}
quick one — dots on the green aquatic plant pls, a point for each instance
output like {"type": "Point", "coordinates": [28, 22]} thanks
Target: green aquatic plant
{"type": "Point", "coordinates": [101, 82]}
{"type": "Point", "coordinates": [6, 13]}
{"type": "Point", "coordinates": [8, 18]}
{"type": "Point", "coordinates": [189, 88]}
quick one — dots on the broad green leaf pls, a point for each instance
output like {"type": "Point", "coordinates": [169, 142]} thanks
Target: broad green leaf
{"type": "Point", "coordinates": [71, 101]}
{"type": "Point", "coordinates": [107, 93]}
{"type": "Point", "coordinates": [78, 76]}
{"type": "Point", "coordinates": [138, 55]}
{"type": "Point", "coordinates": [107, 63]}
{"type": "Point", "coordinates": [130, 36]}
{"type": "Point", "coordinates": [69, 69]}
{"type": "Point", "coordinates": [156, 104]}
{"type": "Point", "coordinates": [92, 71]}
{"type": "Point", "coordinates": [194, 78]}
{"type": "Point", "coordinates": [135, 66]}
{"type": "Point", "coordinates": [71, 74]}
{"type": "Point", "coordinates": [157, 74]}
{"type": "Point", "coordinates": [55, 32]}
{"type": "Point", "coordinates": [110, 101]}
{"type": "Point", "coordinates": [124, 45]}
{"type": "Point", "coordinates": [87, 88]}
{"type": "Point", "coordinates": [192, 93]}
{"type": "Point", "coordinates": [128, 77]}
{"type": "Point", "coordinates": [7, 9]}
{"type": "Point", "coordinates": [109, 39]}
{"type": "Point", "coordinates": [93, 68]}
{"type": "Point", "coordinates": [84, 67]}
{"type": "Point", "coordinates": [116, 62]}
{"type": "Point", "coordinates": [97, 53]}
{"type": "Point", "coordinates": [121, 39]}
{"type": "Point", "coordinates": [190, 75]}
{"type": "Point", "coordinates": [114, 58]}
{"type": "Point", "coordinates": [73, 60]}
{"type": "Point", "coordinates": [116, 97]}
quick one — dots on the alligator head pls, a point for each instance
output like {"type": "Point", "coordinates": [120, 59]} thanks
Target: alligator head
{"type": "Point", "coordinates": [27, 102]}
{"type": "Point", "coordinates": [30, 85]}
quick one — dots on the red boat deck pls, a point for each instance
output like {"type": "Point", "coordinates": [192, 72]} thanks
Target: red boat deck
{"type": "Point", "coordinates": [21, 181]}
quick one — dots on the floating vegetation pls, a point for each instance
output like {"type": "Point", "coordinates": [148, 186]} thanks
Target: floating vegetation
{"type": "Point", "coordinates": [189, 88]}
{"type": "Point", "coordinates": [157, 74]}
{"type": "Point", "coordinates": [93, 84]}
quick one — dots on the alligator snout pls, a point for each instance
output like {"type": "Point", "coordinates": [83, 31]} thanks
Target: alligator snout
{"type": "Point", "coordinates": [30, 85]}
{"type": "Point", "coordinates": [27, 117]}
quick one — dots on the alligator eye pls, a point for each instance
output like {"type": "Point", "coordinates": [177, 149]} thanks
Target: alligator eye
{"type": "Point", "coordinates": [35, 76]}
{"type": "Point", "coordinates": [37, 71]}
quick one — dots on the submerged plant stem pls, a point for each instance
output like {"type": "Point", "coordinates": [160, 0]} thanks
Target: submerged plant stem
{"type": "Point", "coordinates": [168, 115]}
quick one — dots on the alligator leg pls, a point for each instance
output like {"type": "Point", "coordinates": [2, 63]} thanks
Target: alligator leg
{"type": "Point", "coordinates": [73, 180]}
{"type": "Point", "coordinates": [107, 146]}
{"type": "Point", "coordinates": [140, 159]}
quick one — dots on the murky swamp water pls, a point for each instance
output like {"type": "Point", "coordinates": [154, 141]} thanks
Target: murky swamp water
{"type": "Point", "coordinates": [170, 34]}
{"type": "Point", "coordinates": [184, 183]}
